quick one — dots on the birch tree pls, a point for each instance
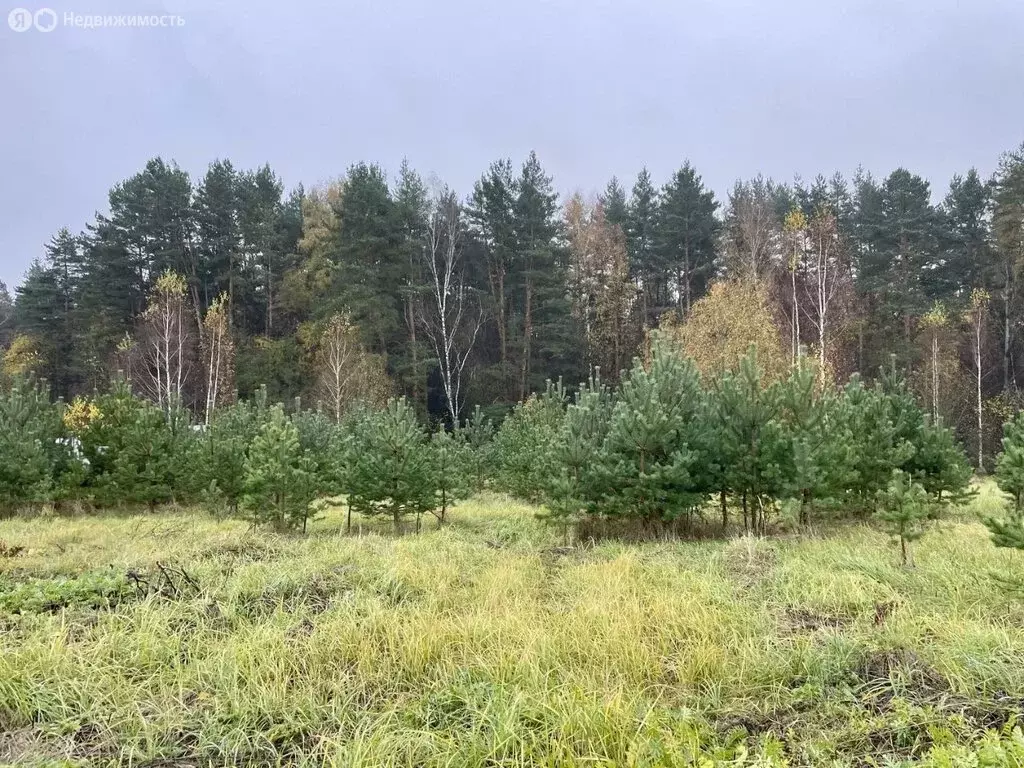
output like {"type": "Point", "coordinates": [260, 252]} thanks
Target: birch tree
{"type": "Point", "coordinates": [976, 316]}
{"type": "Point", "coordinates": [753, 225]}
{"type": "Point", "coordinates": [795, 229]}
{"type": "Point", "coordinates": [451, 315]}
{"type": "Point", "coordinates": [166, 345]}
{"type": "Point", "coordinates": [603, 295]}
{"type": "Point", "coordinates": [347, 372]}
{"type": "Point", "coordinates": [935, 321]}
{"type": "Point", "coordinates": [826, 278]}
{"type": "Point", "coordinates": [218, 354]}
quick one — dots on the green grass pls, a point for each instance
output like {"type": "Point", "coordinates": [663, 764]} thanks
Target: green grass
{"type": "Point", "coordinates": [488, 644]}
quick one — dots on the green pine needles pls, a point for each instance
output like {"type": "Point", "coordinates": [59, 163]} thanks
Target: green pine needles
{"type": "Point", "coordinates": [905, 507]}
{"type": "Point", "coordinates": [1009, 532]}
{"type": "Point", "coordinates": [656, 450]}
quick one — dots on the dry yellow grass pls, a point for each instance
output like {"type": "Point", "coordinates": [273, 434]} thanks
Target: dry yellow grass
{"type": "Point", "coordinates": [487, 644]}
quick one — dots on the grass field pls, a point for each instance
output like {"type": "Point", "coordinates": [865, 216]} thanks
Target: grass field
{"type": "Point", "coordinates": [489, 644]}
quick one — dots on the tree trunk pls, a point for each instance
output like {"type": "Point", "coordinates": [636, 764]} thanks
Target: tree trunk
{"type": "Point", "coordinates": [977, 365]}
{"type": "Point", "coordinates": [527, 334]}
{"type": "Point", "coordinates": [1006, 333]}
{"type": "Point", "coordinates": [796, 318]}
{"type": "Point", "coordinates": [860, 346]}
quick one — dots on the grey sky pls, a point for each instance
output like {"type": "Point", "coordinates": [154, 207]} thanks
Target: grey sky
{"type": "Point", "coordinates": [596, 87]}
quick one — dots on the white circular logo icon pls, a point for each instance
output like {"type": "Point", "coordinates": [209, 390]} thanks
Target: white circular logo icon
{"type": "Point", "coordinates": [45, 20]}
{"type": "Point", "coordinates": [20, 19]}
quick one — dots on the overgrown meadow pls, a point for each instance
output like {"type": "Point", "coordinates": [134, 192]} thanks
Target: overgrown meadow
{"type": "Point", "coordinates": [178, 639]}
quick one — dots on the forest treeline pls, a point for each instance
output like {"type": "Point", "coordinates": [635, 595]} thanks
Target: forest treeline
{"type": "Point", "coordinates": [205, 290]}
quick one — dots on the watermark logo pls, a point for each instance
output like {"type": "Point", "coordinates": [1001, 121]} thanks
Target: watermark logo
{"type": "Point", "coordinates": [20, 20]}
{"type": "Point", "coordinates": [46, 20]}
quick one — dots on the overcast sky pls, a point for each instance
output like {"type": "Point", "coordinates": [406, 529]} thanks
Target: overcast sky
{"type": "Point", "coordinates": [739, 87]}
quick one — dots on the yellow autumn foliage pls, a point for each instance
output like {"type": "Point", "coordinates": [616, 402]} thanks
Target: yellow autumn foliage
{"type": "Point", "coordinates": [21, 357]}
{"type": "Point", "coordinates": [722, 326]}
{"type": "Point", "coordinates": [79, 414]}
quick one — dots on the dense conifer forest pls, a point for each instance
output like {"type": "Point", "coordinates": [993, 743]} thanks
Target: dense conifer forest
{"type": "Point", "coordinates": [376, 286]}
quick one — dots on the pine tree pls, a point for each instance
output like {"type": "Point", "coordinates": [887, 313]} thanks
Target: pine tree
{"type": "Point", "coordinates": [157, 460]}
{"type": "Point", "coordinates": [1008, 232]}
{"type": "Point", "coordinates": [523, 446]}
{"type": "Point", "coordinates": [33, 448]}
{"type": "Point", "coordinates": [548, 336]}
{"type": "Point", "coordinates": [577, 485]}
{"type": "Point", "coordinates": [641, 228]}
{"type": "Point", "coordinates": [864, 417]}
{"type": "Point", "coordinates": [686, 235]}
{"type": "Point", "coordinates": [939, 464]}
{"type": "Point", "coordinates": [649, 452]}
{"type": "Point", "coordinates": [226, 442]}
{"type": "Point", "coordinates": [491, 220]}
{"type": "Point", "coordinates": [47, 310]}
{"type": "Point", "coordinates": [821, 451]}
{"type": "Point", "coordinates": [613, 200]}
{"type": "Point", "coordinates": [901, 233]}
{"type": "Point", "coordinates": [263, 247]}
{"type": "Point", "coordinates": [905, 508]}
{"type": "Point", "coordinates": [1010, 477]}
{"type": "Point", "coordinates": [322, 439]}
{"type": "Point", "coordinates": [368, 258]}
{"type": "Point", "coordinates": [391, 472]}
{"type": "Point", "coordinates": [411, 213]}
{"type": "Point", "coordinates": [219, 239]}
{"type": "Point", "coordinates": [138, 453]}
{"type": "Point", "coordinates": [479, 434]}
{"type": "Point", "coordinates": [451, 460]}
{"type": "Point", "coordinates": [280, 478]}
{"type": "Point", "coordinates": [964, 237]}
{"type": "Point", "coordinates": [6, 316]}
{"type": "Point", "coordinates": [747, 412]}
